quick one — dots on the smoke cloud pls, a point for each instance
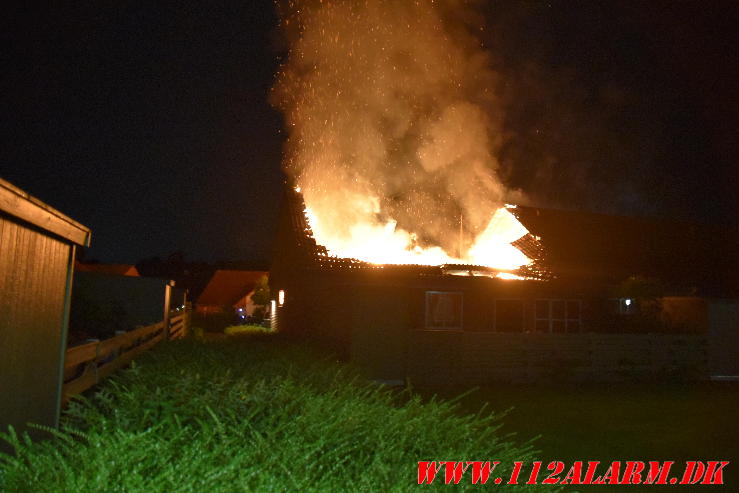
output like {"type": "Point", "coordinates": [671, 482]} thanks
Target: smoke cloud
{"type": "Point", "coordinates": [397, 101]}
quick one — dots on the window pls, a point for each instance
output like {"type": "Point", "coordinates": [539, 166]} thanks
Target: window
{"type": "Point", "coordinates": [509, 315]}
{"type": "Point", "coordinates": [557, 316]}
{"type": "Point", "coordinates": [443, 310]}
{"type": "Point", "coordinates": [281, 297]}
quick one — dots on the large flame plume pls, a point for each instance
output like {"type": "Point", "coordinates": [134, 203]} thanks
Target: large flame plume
{"type": "Point", "coordinates": [394, 125]}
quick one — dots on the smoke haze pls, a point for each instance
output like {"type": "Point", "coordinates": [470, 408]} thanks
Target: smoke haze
{"type": "Point", "coordinates": [398, 101]}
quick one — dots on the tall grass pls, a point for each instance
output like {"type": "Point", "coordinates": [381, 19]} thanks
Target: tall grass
{"type": "Point", "coordinates": [249, 413]}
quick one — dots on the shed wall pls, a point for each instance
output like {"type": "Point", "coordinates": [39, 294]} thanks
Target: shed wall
{"type": "Point", "coordinates": [34, 276]}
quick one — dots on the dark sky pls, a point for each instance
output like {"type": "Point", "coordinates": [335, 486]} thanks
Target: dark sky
{"type": "Point", "coordinates": [151, 124]}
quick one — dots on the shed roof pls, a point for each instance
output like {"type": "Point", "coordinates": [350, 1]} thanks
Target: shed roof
{"type": "Point", "coordinates": [19, 204]}
{"type": "Point", "coordinates": [226, 287]}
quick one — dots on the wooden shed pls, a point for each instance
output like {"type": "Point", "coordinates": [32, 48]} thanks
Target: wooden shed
{"type": "Point", "coordinates": [37, 247]}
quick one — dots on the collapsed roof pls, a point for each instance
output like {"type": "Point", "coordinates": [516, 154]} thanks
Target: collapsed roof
{"type": "Point", "coordinates": [295, 230]}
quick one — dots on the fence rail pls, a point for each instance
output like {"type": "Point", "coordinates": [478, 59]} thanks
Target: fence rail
{"type": "Point", "coordinates": [88, 364]}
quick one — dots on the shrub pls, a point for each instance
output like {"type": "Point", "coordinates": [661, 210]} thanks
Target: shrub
{"type": "Point", "coordinates": [246, 329]}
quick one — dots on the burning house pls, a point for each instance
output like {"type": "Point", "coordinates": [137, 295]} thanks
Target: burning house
{"type": "Point", "coordinates": [395, 245]}
{"type": "Point", "coordinates": [569, 310]}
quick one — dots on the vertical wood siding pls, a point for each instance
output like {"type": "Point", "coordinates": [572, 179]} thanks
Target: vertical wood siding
{"type": "Point", "coordinates": [33, 277]}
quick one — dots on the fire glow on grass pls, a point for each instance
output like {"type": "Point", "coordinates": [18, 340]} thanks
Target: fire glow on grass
{"type": "Point", "coordinates": [378, 242]}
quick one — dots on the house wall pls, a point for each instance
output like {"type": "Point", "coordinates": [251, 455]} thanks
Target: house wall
{"type": "Point", "coordinates": [319, 308]}
{"type": "Point", "coordinates": [685, 313]}
{"type": "Point", "coordinates": [208, 309]}
{"type": "Point", "coordinates": [378, 318]}
{"type": "Point", "coordinates": [381, 324]}
{"type": "Point", "coordinates": [478, 358]}
{"type": "Point", "coordinates": [379, 332]}
{"type": "Point", "coordinates": [483, 299]}
{"type": "Point", "coordinates": [723, 316]}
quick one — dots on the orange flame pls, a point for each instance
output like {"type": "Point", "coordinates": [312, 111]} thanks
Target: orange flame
{"type": "Point", "coordinates": [382, 242]}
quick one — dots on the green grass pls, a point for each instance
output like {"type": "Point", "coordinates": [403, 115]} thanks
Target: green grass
{"type": "Point", "coordinates": [250, 413]}
{"type": "Point", "coordinates": [607, 422]}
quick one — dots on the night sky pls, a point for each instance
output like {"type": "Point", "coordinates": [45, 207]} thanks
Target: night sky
{"type": "Point", "coordinates": [152, 126]}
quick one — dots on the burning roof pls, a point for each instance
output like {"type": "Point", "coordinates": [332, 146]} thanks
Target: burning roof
{"type": "Point", "coordinates": [565, 245]}
{"type": "Point", "coordinates": [315, 255]}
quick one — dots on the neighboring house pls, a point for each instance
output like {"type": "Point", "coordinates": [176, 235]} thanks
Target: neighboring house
{"type": "Point", "coordinates": [110, 269]}
{"type": "Point", "coordinates": [574, 315]}
{"type": "Point", "coordinates": [229, 288]}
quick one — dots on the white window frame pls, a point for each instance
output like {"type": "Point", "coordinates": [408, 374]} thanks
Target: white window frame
{"type": "Point", "coordinates": [549, 319]}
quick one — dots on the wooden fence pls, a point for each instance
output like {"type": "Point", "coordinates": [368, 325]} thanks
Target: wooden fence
{"type": "Point", "coordinates": [481, 357]}
{"type": "Point", "coordinates": [88, 364]}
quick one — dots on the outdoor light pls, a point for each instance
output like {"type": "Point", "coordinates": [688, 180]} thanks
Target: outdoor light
{"type": "Point", "coordinates": [281, 297]}
{"type": "Point", "coordinates": [627, 301]}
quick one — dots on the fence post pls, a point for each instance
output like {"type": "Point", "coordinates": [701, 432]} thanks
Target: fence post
{"type": "Point", "coordinates": [167, 298]}
{"type": "Point", "coordinates": [187, 318]}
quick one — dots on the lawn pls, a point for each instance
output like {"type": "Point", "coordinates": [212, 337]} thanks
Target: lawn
{"type": "Point", "coordinates": [608, 422]}
{"type": "Point", "coordinates": [252, 412]}
{"type": "Point", "coordinates": [258, 412]}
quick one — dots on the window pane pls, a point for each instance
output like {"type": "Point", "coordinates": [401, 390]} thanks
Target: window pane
{"type": "Point", "coordinates": [542, 325]}
{"type": "Point", "coordinates": [542, 309]}
{"type": "Point", "coordinates": [573, 309]}
{"type": "Point", "coordinates": [443, 310]}
{"type": "Point", "coordinates": [558, 325]}
{"type": "Point", "coordinates": [573, 326]}
{"type": "Point", "coordinates": [509, 315]}
{"type": "Point", "coordinates": [558, 309]}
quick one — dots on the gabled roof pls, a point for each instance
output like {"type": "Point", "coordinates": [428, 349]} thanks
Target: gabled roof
{"type": "Point", "coordinates": [110, 269]}
{"type": "Point", "coordinates": [226, 287]}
